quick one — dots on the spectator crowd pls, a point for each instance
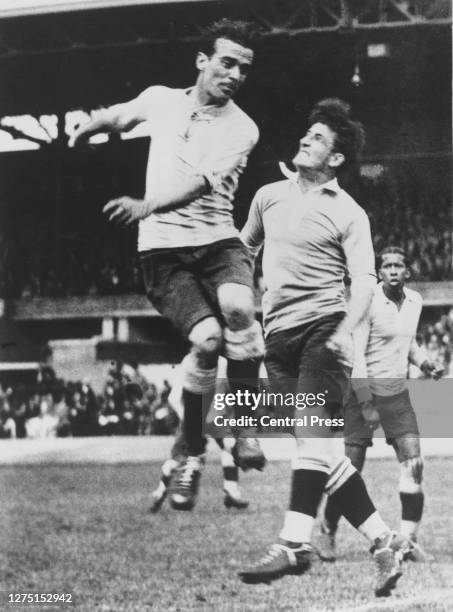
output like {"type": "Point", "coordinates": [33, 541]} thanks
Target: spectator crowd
{"type": "Point", "coordinates": [437, 340]}
{"type": "Point", "coordinates": [131, 405]}
{"type": "Point", "coordinates": [76, 253]}
{"type": "Point", "coordinates": [51, 407]}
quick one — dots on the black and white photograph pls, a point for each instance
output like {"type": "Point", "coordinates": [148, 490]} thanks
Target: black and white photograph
{"type": "Point", "coordinates": [226, 305]}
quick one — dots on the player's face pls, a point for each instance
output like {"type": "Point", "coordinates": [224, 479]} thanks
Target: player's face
{"type": "Point", "coordinates": [224, 71]}
{"type": "Point", "coordinates": [393, 271]}
{"type": "Point", "coordinates": [317, 149]}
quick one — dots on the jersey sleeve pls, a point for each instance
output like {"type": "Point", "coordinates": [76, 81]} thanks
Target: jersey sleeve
{"type": "Point", "coordinates": [360, 372]}
{"type": "Point", "coordinates": [358, 247]}
{"type": "Point", "coordinates": [152, 102]}
{"type": "Point", "coordinates": [252, 234]}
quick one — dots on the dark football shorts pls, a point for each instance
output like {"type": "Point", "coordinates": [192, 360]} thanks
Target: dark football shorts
{"type": "Point", "coordinates": [396, 416]}
{"type": "Point", "coordinates": [182, 282]}
{"type": "Point", "coordinates": [298, 361]}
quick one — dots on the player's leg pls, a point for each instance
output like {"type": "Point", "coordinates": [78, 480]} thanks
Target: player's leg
{"type": "Point", "coordinates": [173, 286]}
{"type": "Point", "coordinates": [350, 495]}
{"type": "Point", "coordinates": [411, 494]}
{"type": "Point", "coordinates": [357, 438]}
{"type": "Point", "coordinates": [292, 553]}
{"type": "Point", "coordinates": [243, 349]}
{"type": "Point", "coordinates": [229, 272]}
{"type": "Point", "coordinates": [233, 496]}
{"type": "Point", "coordinates": [321, 463]}
{"type": "Point", "coordinates": [199, 371]}
{"type": "Point", "coordinates": [178, 454]}
{"type": "Point", "coordinates": [401, 429]}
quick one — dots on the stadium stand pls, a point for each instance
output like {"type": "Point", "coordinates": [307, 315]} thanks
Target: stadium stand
{"type": "Point", "coordinates": [51, 407]}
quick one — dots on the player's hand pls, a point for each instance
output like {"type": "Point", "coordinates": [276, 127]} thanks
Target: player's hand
{"type": "Point", "coordinates": [340, 343]}
{"type": "Point", "coordinates": [370, 414]}
{"type": "Point", "coordinates": [126, 210]}
{"type": "Point", "coordinates": [429, 368]}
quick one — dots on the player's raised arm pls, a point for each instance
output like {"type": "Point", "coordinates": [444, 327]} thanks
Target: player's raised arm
{"type": "Point", "coordinates": [117, 118]}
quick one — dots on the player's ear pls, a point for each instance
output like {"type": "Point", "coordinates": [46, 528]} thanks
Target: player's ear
{"type": "Point", "coordinates": [336, 159]}
{"type": "Point", "coordinates": [407, 274]}
{"type": "Point", "coordinates": [379, 275]}
{"type": "Point", "coordinates": [201, 60]}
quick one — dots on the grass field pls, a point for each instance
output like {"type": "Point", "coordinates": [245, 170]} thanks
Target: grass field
{"type": "Point", "coordinates": [85, 529]}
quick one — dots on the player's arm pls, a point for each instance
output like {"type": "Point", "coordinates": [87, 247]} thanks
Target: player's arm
{"type": "Point", "coordinates": [126, 210]}
{"type": "Point", "coordinates": [358, 249]}
{"type": "Point", "coordinates": [419, 358]}
{"type": "Point", "coordinates": [220, 162]}
{"type": "Point", "coordinates": [359, 380]}
{"type": "Point", "coordinates": [117, 118]}
{"type": "Point", "coordinates": [252, 234]}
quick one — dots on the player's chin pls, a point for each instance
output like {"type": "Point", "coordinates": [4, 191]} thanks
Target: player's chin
{"type": "Point", "coordinates": [225, 93]}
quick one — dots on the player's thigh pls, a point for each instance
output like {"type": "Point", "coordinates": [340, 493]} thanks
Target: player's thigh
{"type": "Point", "coordinates": [356, 432]}
{"type": "Point", "coordinates": [320, 372]}
{"type": "Point", "coordinates": [399, 423]}
{"type": "Point", "coordinates": [227, 275]}
{"type": "Point", "coordinates": [281, 369]}
{"type": "Point", "coordinates": [175, 291]}
{"type": "Point", "coordinates": [407, 447]}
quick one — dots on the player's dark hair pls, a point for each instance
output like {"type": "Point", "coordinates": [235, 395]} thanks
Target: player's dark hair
{"type": "Point", "coordinates": [350, 135]}
{"type": "Point", "coordinates": [392, 250]}
{"type": "Point", "coordinates": [243, 33]}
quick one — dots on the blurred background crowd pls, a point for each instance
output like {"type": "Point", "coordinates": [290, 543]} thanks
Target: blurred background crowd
{"type": "Point", "coordinates": [51, 407]}
{"type": "Point", "coordinates": [85, 256]}
{"type": "Point", "coordinates": [132, 405]}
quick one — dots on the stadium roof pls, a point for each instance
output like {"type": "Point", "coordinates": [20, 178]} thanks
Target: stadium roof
{"type": "Point", "coordinates": [56, 55]}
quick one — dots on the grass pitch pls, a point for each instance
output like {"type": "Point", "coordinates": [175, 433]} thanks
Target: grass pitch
{"type": "Point", "coordinates": [86, 529]}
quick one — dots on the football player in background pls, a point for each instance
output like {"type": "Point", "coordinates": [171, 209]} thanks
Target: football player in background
{"type": "Point", "coordinates": [384, 343]}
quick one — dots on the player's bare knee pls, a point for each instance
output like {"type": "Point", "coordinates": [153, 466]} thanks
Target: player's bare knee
{"type": "Point", "coordinates": [237, 305]}
{"type": "Point", "coordinates": [244, 344]}
{"type": "Point", "coordinates": [206, 338]}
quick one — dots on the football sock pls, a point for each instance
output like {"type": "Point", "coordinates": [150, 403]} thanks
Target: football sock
{"type": "Point", "coordinates": [332, 514]}
{"type": "Point", "coordinates": [243, 376]}
{"type": "Point", "coordinates": [412, 510]}
{"type": "Point", "coordinates": [193, 422]}
{"type": "Point", "coordinates": [353, 500]}
{"type": "Point", "coordinates": [306, 492]}
{"type": "Point", "coordinates": [230, 472]}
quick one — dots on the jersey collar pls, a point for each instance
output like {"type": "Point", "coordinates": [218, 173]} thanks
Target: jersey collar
{"type": "Point", "coordinates": [331, 185]}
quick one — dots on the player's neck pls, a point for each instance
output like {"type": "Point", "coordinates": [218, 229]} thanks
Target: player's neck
{"type": "Point", "coordinates": [201, 97]}
{"type": "Point", "coordinates": [395, 294]}
{"type": "Point", "coordinates": [309, 179]}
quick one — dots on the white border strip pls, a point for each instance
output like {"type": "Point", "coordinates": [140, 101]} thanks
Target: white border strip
{"type": "Point", "coordinates": [22, 8]}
